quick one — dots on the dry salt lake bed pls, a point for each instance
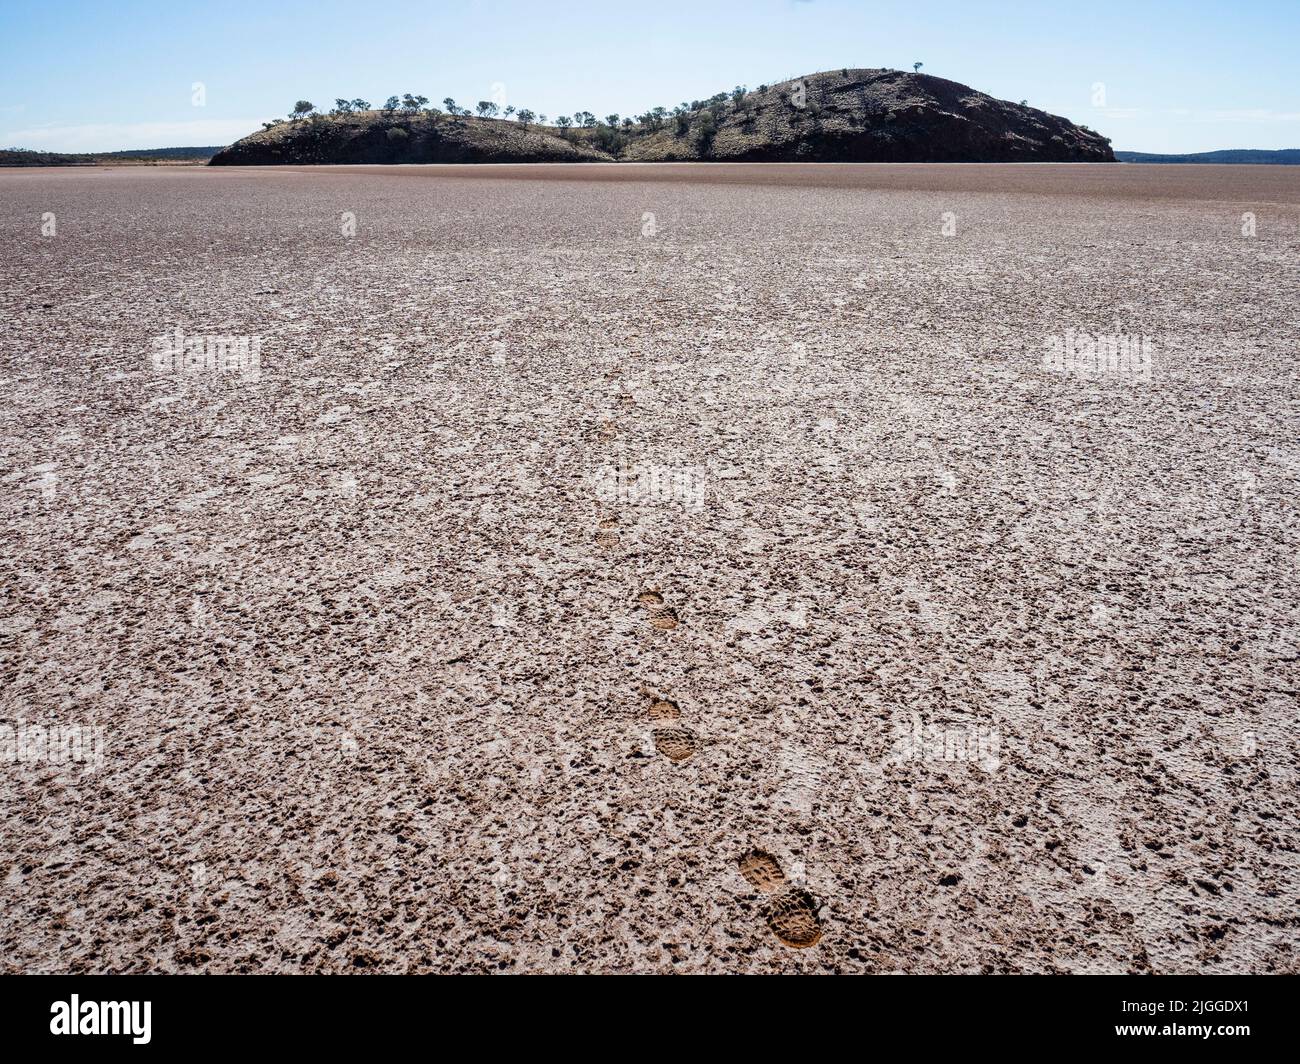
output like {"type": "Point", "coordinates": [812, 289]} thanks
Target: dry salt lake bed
{"type": "Point", "coordinates": [649, 568]}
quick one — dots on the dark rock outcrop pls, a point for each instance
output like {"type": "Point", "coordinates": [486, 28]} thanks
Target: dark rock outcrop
{"type": "Point", "coordinates": [887, 116]}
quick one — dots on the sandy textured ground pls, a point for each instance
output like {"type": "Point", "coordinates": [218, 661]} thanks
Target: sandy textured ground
{"type": "Point", "coordinates": [396, 668]}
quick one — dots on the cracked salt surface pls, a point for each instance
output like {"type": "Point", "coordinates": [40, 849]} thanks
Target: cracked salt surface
{"type": "Point", "coordinates": [977, 664]}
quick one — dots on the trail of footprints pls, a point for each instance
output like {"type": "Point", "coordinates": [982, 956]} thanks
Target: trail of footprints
{"type": "Point", "coordinates": [662, 616]}
{"type": "Point", "coordinates": [791, 912]}
{"type": "Point", "coordinates": [673, 741]}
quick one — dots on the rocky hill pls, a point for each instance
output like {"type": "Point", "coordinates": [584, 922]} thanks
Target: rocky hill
{"type": "Point", "coordinates": [838, 116]}
{"type": "Point", "coordinates": [398, 137]}
{"type": "Point", "coordinates": [873, 116]}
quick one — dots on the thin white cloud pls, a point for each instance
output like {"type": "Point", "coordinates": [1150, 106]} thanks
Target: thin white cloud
{"type": "Point", "coordinates": [113, 136]}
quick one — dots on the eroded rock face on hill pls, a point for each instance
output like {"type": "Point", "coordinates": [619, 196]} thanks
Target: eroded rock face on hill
{"type": "Point", "coordinates": [874, 116]}
{"type": "Point", "coordinates": [839, 116]}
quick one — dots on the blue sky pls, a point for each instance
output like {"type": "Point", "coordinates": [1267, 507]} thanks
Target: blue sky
{"type": "Point", "coordinates": [95, 75]}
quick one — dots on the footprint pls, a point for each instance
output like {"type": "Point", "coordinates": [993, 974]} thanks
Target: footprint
{"type": "Point", "coordinates": [608, 431]}
{"type": "Point", "coordinates": [662, 617]}
{"type": "Point", "coordinates": [664, 709]}
{"type": "Point", "coordinates": [676, 744]}
{"type": "Point", "coordinates": [671, 739]}
{"type": "Point", "coordinates": [792, 911]}
{"type": "Point", "coordinates": [762, 871]}
{"type": "Point", "coordinates": [792, 916]}
{"type": "Point", "coordinates": [607, 537]}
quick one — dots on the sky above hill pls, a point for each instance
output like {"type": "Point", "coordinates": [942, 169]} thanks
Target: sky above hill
{"type": "Point", "coordinates": [1153, 75]}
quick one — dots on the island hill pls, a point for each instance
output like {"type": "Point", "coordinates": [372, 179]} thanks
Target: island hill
{"type": "Point", "coordinates": [839, 116]}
